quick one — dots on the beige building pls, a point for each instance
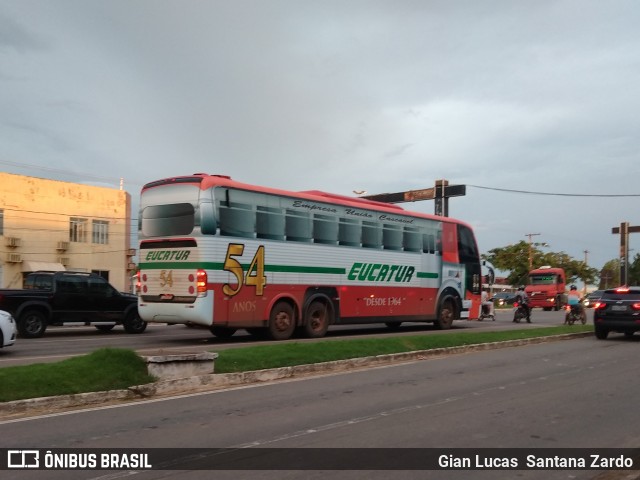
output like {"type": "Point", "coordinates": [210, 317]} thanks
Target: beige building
{"type": "Point", "coordinates": [54, 225]}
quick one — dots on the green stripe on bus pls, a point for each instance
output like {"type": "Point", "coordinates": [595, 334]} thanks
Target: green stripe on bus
{"type": "Point", "coordinates": [268, 268]}
{"type": "Point", "coordinates": [427, 275]}
{"type": "Point", "coordinates": [301, 269]}
{"type": "Point", "coordinates": [219, 266]}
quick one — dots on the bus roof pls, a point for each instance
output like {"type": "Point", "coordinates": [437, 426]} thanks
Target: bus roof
{"type": "Point", "coordinates": [206, 181]}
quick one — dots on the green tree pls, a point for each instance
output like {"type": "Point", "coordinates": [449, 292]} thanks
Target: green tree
{"type": "Point", "coordinates": [610, 274]}
{"type": "Point", "coordinates": [633, 275]}
{"type": "Point", "coordinates": [515, 260]}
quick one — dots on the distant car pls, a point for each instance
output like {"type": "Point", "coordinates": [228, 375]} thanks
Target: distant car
{"type": "Point", "coordinates": [501, 299]}
{"type": "Point", "coordinates": [617, 310]}
{"type": "Point", "coordinates": [8, 329]}
{"type": "Point", "coordinates": [590, 300]}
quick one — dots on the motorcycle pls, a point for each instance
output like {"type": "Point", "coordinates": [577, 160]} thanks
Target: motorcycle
{"type": "Point", "coordinates": [574, 314]}
{"type": "Point", "coordinates": [520, 312]}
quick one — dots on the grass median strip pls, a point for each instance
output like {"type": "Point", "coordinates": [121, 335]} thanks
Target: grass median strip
{"type": "Point", "coordinates": [113, 368]}
{"type": "Point", "coordinates": [298, 353]}
{"type": "Point", "coordinates": [102, 370]}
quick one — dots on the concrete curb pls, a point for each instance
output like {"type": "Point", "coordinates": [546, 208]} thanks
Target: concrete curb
{"type": "Point", "coordinates": [215, 381]}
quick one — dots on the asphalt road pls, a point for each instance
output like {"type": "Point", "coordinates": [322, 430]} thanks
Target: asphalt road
{"type": "Point", "coordinates": [577, 393]}
{"type": "Point", "coordinates": [65, 341]}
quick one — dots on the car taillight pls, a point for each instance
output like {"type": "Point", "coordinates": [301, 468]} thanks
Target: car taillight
{"type": "Point", "coordinates": [599, 305]}
{"type": "Point", "coordinates": [636, 306]}
{"type": "Point", "coordinates": [622, 290]}
{"type": "Point", "coordinates": [201, 281]}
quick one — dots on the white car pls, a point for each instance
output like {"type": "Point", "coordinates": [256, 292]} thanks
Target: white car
{"type": "Point", "coordinates": [8, 330]}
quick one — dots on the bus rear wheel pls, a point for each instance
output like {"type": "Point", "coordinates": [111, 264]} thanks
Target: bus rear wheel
{"type": "Point", "coordinates": [446, 314]}
{"type": "Point", "coordinates": [316, 319]}
{"type": "Point", "coordinates": [282, 321]}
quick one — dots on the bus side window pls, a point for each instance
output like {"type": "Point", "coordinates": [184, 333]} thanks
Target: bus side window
{"type": "Point", "coordinates": [325, 229]}
{"type": "Point", "coordinates": [237, 220]}
{"type": "Point", "coordinates": [371, 235]}
{"type": "Point", "coordinates": [298, 226]}
{"type": "Point", "coordinates": [392, 237]}
{"type": "Point", "coordinates": [412, 241]}
{"type": "Point", "coordinates": [428, 243]}
{"type": "Point", "coordinates": [349, 232]}
{"type": "Point", "coordinates": [270, 223]}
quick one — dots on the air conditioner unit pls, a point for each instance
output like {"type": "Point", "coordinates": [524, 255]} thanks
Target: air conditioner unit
{"type": "Point", "coordinates": [13, 242]}
{"type": "Point", "coordinates": [63, 260]}
{"type": "Point", "coordinates": [14, 258]}
{"type": "Point", "coordinates": [62, 246]}
{"type": "Point", "coordinates": [131, 252]}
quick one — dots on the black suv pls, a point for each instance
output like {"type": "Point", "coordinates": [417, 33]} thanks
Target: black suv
{"type": "Point", "coordinates": [56, 298]}
{"type": "Point", "coordinates": [618, 310]}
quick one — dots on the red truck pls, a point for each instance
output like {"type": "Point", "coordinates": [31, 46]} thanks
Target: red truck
{"type": "Point", "coordinates": [546, 288]}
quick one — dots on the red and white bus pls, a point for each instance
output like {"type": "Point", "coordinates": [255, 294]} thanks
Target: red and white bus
{"type": "Point", "coordinates": [231, 256]}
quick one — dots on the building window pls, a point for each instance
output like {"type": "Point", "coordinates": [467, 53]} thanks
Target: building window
{"type": "Point", "coordinates": [78, 230]}
{"type": "Point", "coordinates": [100, 232]}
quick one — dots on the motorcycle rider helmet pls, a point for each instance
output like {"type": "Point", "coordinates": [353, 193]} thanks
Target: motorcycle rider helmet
{"type": "Point", "coordinates": [521, 287]}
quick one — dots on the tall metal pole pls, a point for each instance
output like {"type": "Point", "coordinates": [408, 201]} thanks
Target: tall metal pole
{"type": "Point", "coordinates": [586, 253]}
{"type": "Point", "coordinates": [624, 253]}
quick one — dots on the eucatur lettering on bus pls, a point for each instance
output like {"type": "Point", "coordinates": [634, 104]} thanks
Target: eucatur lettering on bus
{"type": "Point", "coordinates": [166, 255]}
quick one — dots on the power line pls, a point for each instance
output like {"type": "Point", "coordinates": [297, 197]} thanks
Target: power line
{"type": "Point", "coordinates": [61, 171]}
{"type": "Point", "coordinates": [556, 194]}
{"type": "Point", "coordinates": [507, 190]}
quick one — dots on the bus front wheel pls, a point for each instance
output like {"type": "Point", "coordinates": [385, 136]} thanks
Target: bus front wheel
{"type": "Point", "coordinates": [282, 321]}
{"type": "Point", "coordinates": [446, 314]}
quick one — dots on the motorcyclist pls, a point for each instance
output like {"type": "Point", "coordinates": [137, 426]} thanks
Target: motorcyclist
{"type": "Point", "coordinates": [486, 305]}
{"type": "Point", "coordinates": [523, 301]}
{"type": "Point", "coordinates": [573, 300]}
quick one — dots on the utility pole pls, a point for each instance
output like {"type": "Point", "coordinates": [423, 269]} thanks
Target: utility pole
{"type": "Point", "coordinates": [624, 230]}
{"type": "Point", "coordinates": [530, 235]}
{"type": "Point", "coordinates": [586, 253]}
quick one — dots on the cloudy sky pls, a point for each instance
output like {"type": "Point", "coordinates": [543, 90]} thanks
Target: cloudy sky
{"type": "Point", "coordinates": [534, 105]}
